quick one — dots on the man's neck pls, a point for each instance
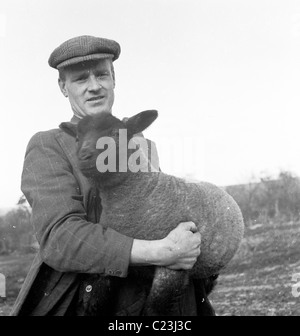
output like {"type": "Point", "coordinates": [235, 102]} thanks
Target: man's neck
{"type": "Point", "coordinates": [75, 119]}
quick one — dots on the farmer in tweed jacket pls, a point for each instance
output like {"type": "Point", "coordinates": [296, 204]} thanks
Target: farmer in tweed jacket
{"type": "Point", "coordinates": [66, 208]}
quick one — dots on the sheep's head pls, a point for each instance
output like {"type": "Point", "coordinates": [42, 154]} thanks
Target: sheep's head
{"type": "Point", "coordinates": [99, 137]}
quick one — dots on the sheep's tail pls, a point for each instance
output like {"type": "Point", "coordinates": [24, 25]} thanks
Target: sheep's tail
{"type": "Point", "coordinates": [166, 288]}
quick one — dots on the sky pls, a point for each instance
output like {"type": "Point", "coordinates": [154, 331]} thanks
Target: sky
{"type": "Point", "coordinates": [224, 76]}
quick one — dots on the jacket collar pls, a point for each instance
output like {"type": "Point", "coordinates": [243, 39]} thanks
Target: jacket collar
{"type": "Point", "coordinates": [74, 119]}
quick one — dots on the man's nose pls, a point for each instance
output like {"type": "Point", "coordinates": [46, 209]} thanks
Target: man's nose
{"type": "Point", "coordinates": [94, 83]}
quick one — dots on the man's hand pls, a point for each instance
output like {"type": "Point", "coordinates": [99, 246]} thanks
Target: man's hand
{"type": "Point", "coordinates": [181, 247]}
{"type": "Point", "coordinates": [178, 250]}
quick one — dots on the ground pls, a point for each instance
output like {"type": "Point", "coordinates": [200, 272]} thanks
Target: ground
{"type": "Point", "coordinates": [258, 281]}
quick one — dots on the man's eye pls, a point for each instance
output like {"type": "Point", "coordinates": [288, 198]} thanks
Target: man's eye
{"type": "Point", "coordinates": [80, 79]}
{"type": "Point", "coordinates": [103, 74]}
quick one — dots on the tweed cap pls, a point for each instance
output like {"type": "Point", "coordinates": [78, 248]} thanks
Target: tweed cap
{"type": "Point", "coordinates": [83, 48]}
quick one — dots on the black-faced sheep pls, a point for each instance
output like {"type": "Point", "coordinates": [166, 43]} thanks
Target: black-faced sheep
{"type": "Point", "coordinates": [145, 203]}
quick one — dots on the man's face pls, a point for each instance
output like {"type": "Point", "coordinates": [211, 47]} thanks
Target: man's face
{"type": "Point", "coordinates": [89, 87]}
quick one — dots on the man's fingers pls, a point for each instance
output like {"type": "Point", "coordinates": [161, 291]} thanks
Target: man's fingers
{"type": "Point", "coordinates": [198, 236]}
{"type": "Point", "coordinates": [189, 226]}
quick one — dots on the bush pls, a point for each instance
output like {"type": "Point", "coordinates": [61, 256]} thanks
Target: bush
{"type": "Point", "coordinates": [16, 232]}
{"type": "Point", "coordinates": [270, 199]}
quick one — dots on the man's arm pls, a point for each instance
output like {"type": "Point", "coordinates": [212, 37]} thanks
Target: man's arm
{"type": "Point", "coordinates": [68, 242]}
{"type": "Point", "coordinates": [179, 250]}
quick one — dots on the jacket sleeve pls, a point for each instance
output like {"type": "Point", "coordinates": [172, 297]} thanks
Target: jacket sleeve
{"type": "Point", "coordinates": [68, 242]}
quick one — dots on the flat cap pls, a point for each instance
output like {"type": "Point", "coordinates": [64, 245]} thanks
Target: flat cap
{"type": "Point", "coordinates": [83, 48]}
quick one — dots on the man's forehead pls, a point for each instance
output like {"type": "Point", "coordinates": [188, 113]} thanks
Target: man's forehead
{"type": "Point", "coordinates": [88, 65]}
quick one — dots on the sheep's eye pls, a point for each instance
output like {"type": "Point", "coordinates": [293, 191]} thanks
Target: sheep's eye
{"type": "Point", "coordinates": [115, 132]}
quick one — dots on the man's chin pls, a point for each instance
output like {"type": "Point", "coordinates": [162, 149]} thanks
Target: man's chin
{"type": "Point", "coordinates": [97, 111]}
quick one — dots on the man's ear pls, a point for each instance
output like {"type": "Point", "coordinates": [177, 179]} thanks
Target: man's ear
{"type": "Point", "coordinates": [69, 128]}
{"type": "Point", "coordinates": [62, 86]}
{"type": "Point", "coordinates": [139, 122]}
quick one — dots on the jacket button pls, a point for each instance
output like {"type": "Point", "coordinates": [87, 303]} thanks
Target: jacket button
{"type": "Point", "coordinates": [88, 288]}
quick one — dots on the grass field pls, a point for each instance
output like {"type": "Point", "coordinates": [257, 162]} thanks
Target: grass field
{"type": "Point", "coordinates": [260, 278]}
{"type": "Point", "coordinates": [258, 281]}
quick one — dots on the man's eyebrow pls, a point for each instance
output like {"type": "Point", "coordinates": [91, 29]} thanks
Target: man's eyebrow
{"type": "Point", "coordinates": [79, 73]}
{"type": "Point", "coordinates": [102, 66]}
{"type": "Point", "coordinates": [102, 69]}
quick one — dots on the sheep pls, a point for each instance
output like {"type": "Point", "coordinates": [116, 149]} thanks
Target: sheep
{"type": "Point", "coordinates": [148, 204]}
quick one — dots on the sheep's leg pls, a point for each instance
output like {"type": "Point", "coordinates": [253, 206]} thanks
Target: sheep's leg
{"type": "Point", "coordinates": [166, 289]}
{"type": "Point", "coordinates": [204, 307]}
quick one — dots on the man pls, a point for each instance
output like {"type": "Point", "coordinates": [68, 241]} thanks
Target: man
{"type": "Point", "coordinates": [66, 209]}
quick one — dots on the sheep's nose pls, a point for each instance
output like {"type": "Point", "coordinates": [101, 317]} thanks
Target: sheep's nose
{"type": "Point", "coordinates": [85, 153]}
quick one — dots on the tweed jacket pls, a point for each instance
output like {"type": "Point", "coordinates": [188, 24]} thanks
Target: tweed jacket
{"type": "Point", "coordinates": [65, 215]}
{"type": "Point", "coordinates": [65, 211]}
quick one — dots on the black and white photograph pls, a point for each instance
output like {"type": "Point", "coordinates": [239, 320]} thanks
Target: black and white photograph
{"type": "Point", "coordinates": [149, 160]}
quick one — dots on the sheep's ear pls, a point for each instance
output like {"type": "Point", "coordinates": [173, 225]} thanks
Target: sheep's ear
{"type": "Point", "coordinates": [139, 122]}
{"type": "Point", "coordinates": [69, 128]}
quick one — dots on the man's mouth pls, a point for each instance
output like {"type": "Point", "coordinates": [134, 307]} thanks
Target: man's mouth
{"type": "Point", "coordinates": [95, 99]}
